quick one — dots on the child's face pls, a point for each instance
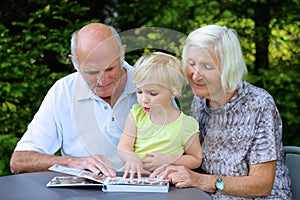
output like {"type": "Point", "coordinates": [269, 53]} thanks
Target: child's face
{"type": "Point", "coordinates": [154, 97]}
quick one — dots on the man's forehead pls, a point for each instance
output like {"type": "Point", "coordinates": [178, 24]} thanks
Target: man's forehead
{"type": "Point", "coordinates": [99, 64]}
{"type": "Point", "coordinates": [93, 34]}
{"type": "Point", "coordinates": [103, 54]}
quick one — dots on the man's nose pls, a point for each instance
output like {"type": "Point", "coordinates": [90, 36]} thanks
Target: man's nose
{"type": "Point", "coordinates": [102, 79]}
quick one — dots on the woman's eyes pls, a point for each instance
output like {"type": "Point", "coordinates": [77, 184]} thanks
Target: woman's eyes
{"type": "Point", "coordinates": [202, 66]}
{"type": "Point", "coordinates": [191, 63]}
{"type": "Point", "coordinates": [207, 67]}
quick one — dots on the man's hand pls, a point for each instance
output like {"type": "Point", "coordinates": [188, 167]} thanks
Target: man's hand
{"type": "Point", "coordinates": [31, 161]}
{"type": "Point", "coordinates": [95, 163]}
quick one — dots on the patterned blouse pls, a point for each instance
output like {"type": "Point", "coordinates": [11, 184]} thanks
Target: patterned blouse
{"type": "Point", "coordinates": [245, 131]}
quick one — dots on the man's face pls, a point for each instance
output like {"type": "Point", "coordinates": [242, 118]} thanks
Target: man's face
{"type": "Point", "coordinates": [101, 68]}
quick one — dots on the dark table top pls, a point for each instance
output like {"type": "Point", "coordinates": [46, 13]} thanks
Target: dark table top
{"type": "Point", "coordinates": [32, 186]}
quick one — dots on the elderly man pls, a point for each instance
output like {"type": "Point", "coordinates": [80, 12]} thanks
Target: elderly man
{"type": "Point", "coordinates": [83, 114]}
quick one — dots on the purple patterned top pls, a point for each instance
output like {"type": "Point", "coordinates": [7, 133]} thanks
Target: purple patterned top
{"type": "Point", "coordinates": [245, 131]}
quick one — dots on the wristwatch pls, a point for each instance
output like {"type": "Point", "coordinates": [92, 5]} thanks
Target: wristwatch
{"type": "Point", "coordinates": [219, 184]}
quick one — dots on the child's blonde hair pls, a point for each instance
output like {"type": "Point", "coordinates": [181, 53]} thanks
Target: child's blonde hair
{"type": "Point", "coordinates": [160, 68]}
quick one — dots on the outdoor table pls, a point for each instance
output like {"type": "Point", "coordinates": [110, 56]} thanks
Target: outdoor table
{"type": "Point", "coordinates": [32, 186]}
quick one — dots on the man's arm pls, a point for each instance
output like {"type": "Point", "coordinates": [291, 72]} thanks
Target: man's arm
{"type": "Point", "coordinates": [31, 161]}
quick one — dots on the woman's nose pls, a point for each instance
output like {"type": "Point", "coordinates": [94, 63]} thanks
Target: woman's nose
{"type": "Point", "coordinates": [197, 75]}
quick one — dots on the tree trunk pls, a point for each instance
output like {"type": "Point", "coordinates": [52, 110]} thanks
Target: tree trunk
{"type": "Point", "coordinates": [262, 33]}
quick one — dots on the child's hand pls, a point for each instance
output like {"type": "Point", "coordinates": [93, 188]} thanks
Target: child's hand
{"type": "Point", "coordinates": [156, 160]}
{"type": "Point", "coordinates": [133, 167]}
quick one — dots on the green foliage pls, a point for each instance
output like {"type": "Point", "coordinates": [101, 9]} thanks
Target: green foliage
{"type": "Point", "coordinates": [7, 145]}
{"type": "Point", "coordinates": [34, 48]}
{"type": "Point", "coordinates": [32, 59]}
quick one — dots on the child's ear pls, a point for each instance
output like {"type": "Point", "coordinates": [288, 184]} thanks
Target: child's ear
{"type": "Point", "coordinates": [173, 93]}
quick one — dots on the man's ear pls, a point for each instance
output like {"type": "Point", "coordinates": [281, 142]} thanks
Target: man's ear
{"type": "Point", "coordinates": [124, 50]}
{"type": "Point", "coordinates": [75, 64]}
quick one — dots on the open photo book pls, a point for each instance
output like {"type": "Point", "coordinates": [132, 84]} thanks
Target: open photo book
{"type": "Point", "coordinates": [109, 184]}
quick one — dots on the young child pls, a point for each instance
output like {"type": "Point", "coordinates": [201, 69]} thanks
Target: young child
{"type": "Point", "coordinates": [156, 133]}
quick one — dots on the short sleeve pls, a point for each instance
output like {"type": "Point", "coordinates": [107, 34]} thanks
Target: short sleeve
{"type": "Point", "coordinates": [267, 136]}
{"type": "Point", "coordinates": [42, 134]}
{"type": "Point", "coordinates": [190, 127]}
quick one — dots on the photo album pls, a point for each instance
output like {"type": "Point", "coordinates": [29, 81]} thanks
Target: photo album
{"type": "Point", "coordinates": [109, 184]}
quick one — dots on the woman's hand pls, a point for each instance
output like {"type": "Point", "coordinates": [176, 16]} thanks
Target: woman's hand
{"type": "Point", "coordinates": [181, 177]}
{"type": "Point", "coordinates": [158, 172]}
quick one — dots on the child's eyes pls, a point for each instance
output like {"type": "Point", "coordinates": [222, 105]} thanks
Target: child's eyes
{"type": "Point", "coordinates": [151, 93]}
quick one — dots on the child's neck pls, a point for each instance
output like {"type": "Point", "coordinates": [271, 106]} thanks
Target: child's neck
{"type": "Point", "coordinates": [164, 116]}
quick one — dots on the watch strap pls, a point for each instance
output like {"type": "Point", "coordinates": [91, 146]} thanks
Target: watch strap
{"type": "Point", "coordinates": [219, 184]}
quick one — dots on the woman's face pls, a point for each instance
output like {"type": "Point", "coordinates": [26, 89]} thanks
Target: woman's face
{"type": "Point", "coordinates": [204, 73]}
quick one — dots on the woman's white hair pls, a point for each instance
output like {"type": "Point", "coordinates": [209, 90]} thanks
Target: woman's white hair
{"type": "Point", "coordinates": [224, 42]}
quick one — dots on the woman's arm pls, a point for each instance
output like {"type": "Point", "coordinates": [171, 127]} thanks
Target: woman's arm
{"type": "Point", "coordinates": [258, 183]}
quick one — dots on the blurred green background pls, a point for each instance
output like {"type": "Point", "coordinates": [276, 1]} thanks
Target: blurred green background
{"type": "Point", "coordinates": [35, 40]}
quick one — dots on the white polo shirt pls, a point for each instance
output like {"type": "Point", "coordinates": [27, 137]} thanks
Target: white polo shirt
{"type": "Point", "coordinates": [76, 121]}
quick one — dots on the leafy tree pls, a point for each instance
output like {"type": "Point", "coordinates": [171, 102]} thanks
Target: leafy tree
{"type": "Point", "coordinates": [34, 54]}
{"type": "Point", "coordinates": [269, 32]}
{"type": "Point", "coordinates": [34, 48]}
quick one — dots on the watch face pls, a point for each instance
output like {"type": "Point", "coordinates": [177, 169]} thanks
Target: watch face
{"type": "Point", "coordinates": [220, 185]}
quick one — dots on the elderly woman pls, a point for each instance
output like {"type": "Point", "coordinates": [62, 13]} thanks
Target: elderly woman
{"type": "Point", "coordinates": [240, 126]}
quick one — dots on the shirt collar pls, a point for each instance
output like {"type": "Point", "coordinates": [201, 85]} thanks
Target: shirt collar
{"type": "Point", "coordinates": [130, 86]}
{"type": "Point", "coordinates": [242, 90]}
{"type": "Point", "coordinates": [82, 90]}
